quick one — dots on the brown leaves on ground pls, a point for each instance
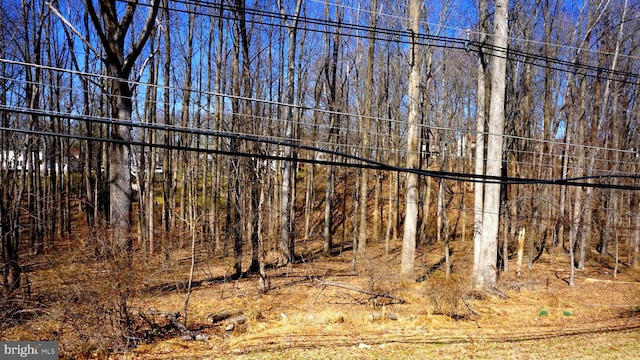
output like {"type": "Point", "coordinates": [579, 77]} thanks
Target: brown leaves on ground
{"type": "Point", "coordinates": [320, 309]}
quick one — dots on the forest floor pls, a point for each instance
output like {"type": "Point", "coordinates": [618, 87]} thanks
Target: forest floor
{"type": "Point", "coordinates": [319, 308]}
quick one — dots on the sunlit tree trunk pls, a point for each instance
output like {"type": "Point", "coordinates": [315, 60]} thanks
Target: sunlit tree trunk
{"type": "Point", "coordinates": [636, 236]}
{"type": "Point", "coordinates": [546, 150]}
{"type": "Point", "coordinates": [486, 275]}
{"type": "Point", "coordinates": [287, 238]}
{"type": "Point", "coordinates": [365, 128]}
{"type": "Point", "coordinates": [183, 165]}
{"type": "Point", "coordinates": [112, 29]}
{"type": "Point", "coordinates": [407, 267]}
{"type": "Point", "coordinates": [614, 199]}
{"type": "Point", "coordinates": [481, 97]}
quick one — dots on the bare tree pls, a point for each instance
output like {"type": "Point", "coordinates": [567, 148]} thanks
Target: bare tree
{"type": "Point", "coordinates": [365, 127]}
{"type": "Point", "coordinates": [287, 248]}
{"type": "Point", "coordinates": [481, 101]}
{"type": "Point", "coordinates": [112, 29]}
{"type": "Point", "coordinates": [407, 268]}
{"type": "Point", "coordinates": [486, 275]}
{"type": "Point", "coordinates": [330, 72]}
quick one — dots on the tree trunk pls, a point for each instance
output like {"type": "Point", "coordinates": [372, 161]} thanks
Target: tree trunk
{"type": "Point", "coordinates": [486, 275]}
{"type": "Point", "coordinates": [287, 250]}
{"type": "Point", "coordinates": [112, 30]}
{"type": "Point", "coordinates": [407, 268]}
{"type": "Point", "coordinates": [331, 72]}
{"type": "Point", "coordinates": [365, 127]}
{"type": "Point", "coordinates": [481, 97]}
{"type": "Point", "coordinates": [636, 237]}
{"type": "Point", "coordinates": [120, 192]}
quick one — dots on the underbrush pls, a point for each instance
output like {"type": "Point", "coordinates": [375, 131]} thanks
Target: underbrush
{"type": "Point", "coordinates": [98, 304]}
{"type": "Point", "coordinates": [450, 296]}
{"type": "Point", "coordinates": [83, 298]}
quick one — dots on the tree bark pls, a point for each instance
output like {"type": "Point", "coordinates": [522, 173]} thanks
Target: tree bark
{"type": "Point", "coordinates": [407, 268]}
{"type": "Point", "coordinates": [112, 30]}
{"type": "Point", "coordinates": [481, 98]}
{"type": "Point", "coordinates": [636, 237]}
{"type": "Point", "coordinates": [486, 275]}
{"type": "Point", "coordinates": [287, 238]}
{"type": "Point", "coordinates": [365, 127]}
{"type": "Point", "coordinates": [330, 71]}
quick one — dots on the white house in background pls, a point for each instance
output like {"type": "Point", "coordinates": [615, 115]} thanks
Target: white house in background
{"type": "Point", "coordinates": [15, 161]}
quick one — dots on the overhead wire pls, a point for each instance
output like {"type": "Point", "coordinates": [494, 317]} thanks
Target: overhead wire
{"type": "Point", "coordinates": [435, 144]}
{"type": "Point", "coordinates": [471, 30]}
{"type": "Point", "coordinates": [319, 21]}
{"type": "Point", "coordinates": [432, 127]}
{"type": "Point", "coordinates": [428, 140]}
{"type": "Point", "coordinates": [377, 31]}
{"type": "Point", "coordinates": [358, 162]}
{"type": "Point", "coordinates": [404, 37]}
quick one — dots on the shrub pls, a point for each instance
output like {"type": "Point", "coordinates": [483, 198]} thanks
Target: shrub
{"type": "Point", "coordinates": [447, 296]}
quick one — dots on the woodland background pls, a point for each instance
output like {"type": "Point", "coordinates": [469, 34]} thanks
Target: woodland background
{"type": "Point", "coordinates": [137, 129]}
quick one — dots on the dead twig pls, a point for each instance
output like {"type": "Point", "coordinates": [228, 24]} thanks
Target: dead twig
{"type": "Point", "coordinates": [374, 295]}
{"type": "Point", "coordinates": [172, 318]}
{"type": "Point", "coordinates": [144, 317]}
{"type": "Point", "coordinates": [465, 301]}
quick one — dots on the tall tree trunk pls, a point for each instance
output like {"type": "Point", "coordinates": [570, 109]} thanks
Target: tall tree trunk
{"type": "Point", "coordinates": [486, 275]}
{"type": "Point", "coordinates": [287, 238]}
{"type": "Point", "coordinates": [407, 267]}
{"type": "Point", "coordinates": [147, 165]}
{"type": "Point", "coordinates": [330, 71]}
{"type": "Point", "coordinates": [615, 134]}
{"type": "Point", "coordinates": [112, 30]}
{"type": "Point", "coordinates": [546, 150]}
{"type": "Point", "coordinates": [365, 127]}
{"type": "Point", "coordinates": [636, 237]}
{"type": "Point", "coordinates": [481, 98]}
{"type": "Point", "coordinates": [10, 199]}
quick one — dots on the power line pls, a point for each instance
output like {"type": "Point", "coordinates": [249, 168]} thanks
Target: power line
{"type": "Point", "coordinates": [399, 36]}
{"type": "Point", "coordinates": [299, 107]}
{"type": "Point", "coordinates": [359, 162]}
{"type": "Point", "coordinates": [470, 31]}
{"type": "Point", "coordinates": [320, 21]}
{"type": "Point", "coordinates": [277, 15]}
{"type": "Point", "coordinates": [432, 144]}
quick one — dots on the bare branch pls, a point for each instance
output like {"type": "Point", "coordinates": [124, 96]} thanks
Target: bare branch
{"type": "Point", "coordinates": [72, 28]}
{"type": "Point", "coordinates": [96, 24]}
{"type": "Point", "coordinates": [136, 49]}
{"type": "Point", "coordinates": [128, 15]}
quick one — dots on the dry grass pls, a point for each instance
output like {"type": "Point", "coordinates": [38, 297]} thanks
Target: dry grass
{"type": "Point", "coordinates": [319, 309]}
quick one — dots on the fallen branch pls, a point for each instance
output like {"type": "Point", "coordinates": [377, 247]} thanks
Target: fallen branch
{"type": "Point", "coordinates": [377, 316]}
{"type": "Point", "coordinates": [497, 292]}
{"type": "Point", "coordinates": [236, 324]}
{"type": "Point", "coordinates": [223, 315]}
{"type": "Point", "coordinates": [475, 312]}
{"type": "Point", "coordinates": [374, 295]}
{"type": "Point", "coordinates": [172, 318]}
{"type": "Point", "coordinates": [609, 281]}
{"type": "Point", "coordinates": [144, 317]}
